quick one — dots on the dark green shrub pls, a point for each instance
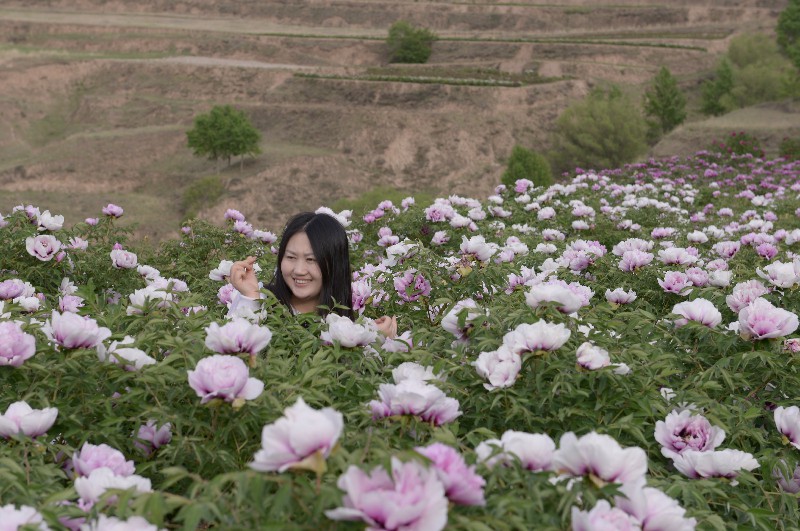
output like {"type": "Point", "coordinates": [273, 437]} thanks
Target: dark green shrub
{"type": "Point", "coordinates": [526, 164]}
{"type": "Point", "coordinates": [740, 143]}
{"type": "Point", "coordinates": [223, 132]}
{"type": "Point", "coordinates": [717, 92]}
{"type": "Point", "coordinates": [788, 30]}
{"type": "Point", "coordinates": [408, 44]}
{"type": "Point", "coordinates": [664, 103]}
{"type": "Point", "coordinates": [605, 130]}
{"type": "Point", "coordinates": [790, 148]}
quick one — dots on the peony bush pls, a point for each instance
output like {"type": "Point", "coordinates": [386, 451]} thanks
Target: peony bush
{"type": "Point", "coordinates": [616, 351]}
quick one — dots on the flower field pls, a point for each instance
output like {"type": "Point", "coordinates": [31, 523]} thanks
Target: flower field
{"type": "Point", "coordinates": [617, 351]}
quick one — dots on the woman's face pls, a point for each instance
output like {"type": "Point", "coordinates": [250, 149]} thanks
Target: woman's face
{"type": "Point", "coordinates": [301, 273]}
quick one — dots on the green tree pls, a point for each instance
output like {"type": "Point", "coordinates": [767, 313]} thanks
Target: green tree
{"type": "Point", "coordinates": [526, 164]}
{"type": "Point", "coordinates": [408, 44]}
{"type": "Point", "coordinates": [605, 130]}
{"type": "Point", "coordinates": [664, 103]}
{"type": "Point", "coordinates": [717, 92]}
{"type": "Point", "coordinates": [224, 132]}
{"type": "Point", "coordinates": [788, 30]}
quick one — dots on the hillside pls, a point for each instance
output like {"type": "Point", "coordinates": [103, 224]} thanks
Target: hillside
{"type": "Point", "coordinates": [97, 95]}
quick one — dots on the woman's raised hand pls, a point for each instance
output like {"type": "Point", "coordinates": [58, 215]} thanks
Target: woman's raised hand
{"type": "Point", "coordinates": [387, 325]}
{"type": "Point", "coordinates": [243, 277]}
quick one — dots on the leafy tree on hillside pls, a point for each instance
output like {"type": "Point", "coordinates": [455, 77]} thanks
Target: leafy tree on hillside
{"type": "Point", "coordinates": [788, 30]}
{"type": "Point", "coordinates": [526, 164]}
{"type": "Point", "coordinates": [605, 130]}
{"type": "Point", "coordinates": [408, 44]}
{"type": "Point", "coordinates": [223, 132]}
{"type": "Point", "coordinates": [717, 92]}
{"type": "Point", "coordinates": [664, 103]}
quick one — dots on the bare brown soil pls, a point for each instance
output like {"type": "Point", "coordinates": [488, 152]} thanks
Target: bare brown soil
{"type": "Point", "coordinates": [96, 95]}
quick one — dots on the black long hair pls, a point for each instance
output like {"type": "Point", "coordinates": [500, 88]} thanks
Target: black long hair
{"type": "Point", "coordinates": [332, 253]}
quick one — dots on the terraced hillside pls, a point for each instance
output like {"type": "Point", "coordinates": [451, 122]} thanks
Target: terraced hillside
{"type": "Point", "coordinates": [96, 96]}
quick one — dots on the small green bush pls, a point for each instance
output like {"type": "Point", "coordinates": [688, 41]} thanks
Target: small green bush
{"type": "Point", "coordinates": [526, 164]}
{"type": "Point", "coordinates": [202, 193]}
{"type": "Point", "coordinates": [740, 143]}
{"type": "Point", "coordinates": [408, 44]}
{"type": "Point", "coordinates": [664, 103]}
{"type": "Point", "coordinates": [790, 148]}
{"type": "Point", "coordinates": [605, 130]}
{"type": "Point", "coordinates": [788, 30]}
{"type": "Point", "coordinates": [717, 92]}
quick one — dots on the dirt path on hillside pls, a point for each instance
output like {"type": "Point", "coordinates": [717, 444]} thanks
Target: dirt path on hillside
{"type": "Point", "coordinates": [227, 63]}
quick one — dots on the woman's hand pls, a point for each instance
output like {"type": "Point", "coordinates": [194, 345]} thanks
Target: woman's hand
{"type": "Point", "coordinates": [387, 325]}
{"type": "Point", "coordinates": [243, 277]}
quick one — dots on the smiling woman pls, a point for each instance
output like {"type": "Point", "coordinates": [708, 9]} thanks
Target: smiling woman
{"type": "Point", "coordinates": [314, 275]}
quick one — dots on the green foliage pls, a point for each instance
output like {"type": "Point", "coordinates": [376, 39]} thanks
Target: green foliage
{"type": "Point", "coordinates": [526, 164]}
{"type": "Point", "coordinates": [369, 199]}
{"type": "Point", "coordinates": [790, 148]}
{"type": "Point", "coordinates": [739, 144]}
{"type": "Point", "coordinates": [717, 92]}
{"type": "Point", "coordinates": [201, 478]}
{"type": "Point", "coordinates": [605, 130]}
{"type": "Point", "coordinates": [664, 103]}
{"type": "Point", "coordinates": [408, 44]}
{"type": "Point", "coordinates": [753, 71]}
{"type": "Point", "coordinates": [202, 193]}
{"type": "Point", "coordinates": [223, 132]}
{"type": "Point", "coordinates": [788, 30]}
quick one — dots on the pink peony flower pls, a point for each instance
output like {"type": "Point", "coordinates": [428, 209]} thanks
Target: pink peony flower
{"type": "Point", "coordinates": [697, 276]}
{"type": "Point", "coordinates": [726, 249]}
{"type": "Point", "coordinates": [15, 345]}
{"type": "Point", "coordinates": [121, 259]}
{"type": "Point", "coordinates": [440, 238]}
{"type": "Point", "coordinates": [111, 523]}
{"type": "Point", "coordinates": [411, 286]}
{"type": "Point", "coordinates": [539, 336]}
{"type": "Point", "coordinates": [150, 437]}
{"type": "Point", "coordinates": [112, 210]}
{"type": "Point", "coordinates": [634, 259]}
{"type": "Point", "coordinates": [788, 422]}
{"type": "Point", "coordinates": [225, 377]}
{"type": "Point", "coordinates": [566, 301]}
{"type": "Point", "coordinates": [652, 508]}
{"type": "Point", "coordinates": [225, 294]}
{"type": "Point", "coordinates": [23, 518]}
{"type": "Point", "coordinates": [500, 367]}
{"type": "Point", "coordinates": [761, 320]}
{"type": "Point", "coordinates": [603, 517]}
{"type": "Point", "coordinates": [400, 343]}
{"type": "Point", "coordinates": [411, 498]}
{"type": "Point", "coordinates": [592, 357]}
{"type": "Point", "coordinates": [43, 247]}
{"type": "Point", "coordinates": [715, 464]}
{"type": "Point", "coordinates": [410, 370]}
{"type": "Point", "coordinates": [302, 438]}
{"type": "Point", "coordinates": [700, 311]}
{"type": "Point", "coordinates": [780, 274]}
{"type": "Point", "coordinates": [675, 282]}
{"type": "Point", "coordinates": [21, 418]}
{"type": "Point", "coordinates": [601, 456]}
{"type": "Point", "coordinates": [450, 322]}
{"type": "Point", "coordinates": [118, 352]}
{"type": "Point", "coordinates": [620, 296]}
{"type": "Point", "coordinates": [790, 482]}
{"type": "Point", "coordinates": [347, 333]}
{"type": "Point", "coordinates": [234, 215]}
{"type": "Point", "coordinates": [91, 457]}
{"type": "Point", "coordinates": [238, 336]}
{"type": "Point", "coordinates": [90, 488]}
{"type": "Point", "coordinates": [534, 451]}
{"type": "Point", "coordinates": [70, 303]}
{"type": "Point", "coordinates": [417, 398]}
{"type": "Point", "coordinates": [477, 247]}
{"type": "Point", "coordinates": [92, 221]}
{"type": "Point", "coordinates": [71, 330]}
{"type": "Point", "coordinates": [13, 288]}
{"type": "Point", "coordinates": [462, 485]}
{"type": "Point", "coordinates": [676, 256]}
{"type": "Point", "coordinates": [681, 432]}
{"type": "Point", "coordinates": [745, 293]}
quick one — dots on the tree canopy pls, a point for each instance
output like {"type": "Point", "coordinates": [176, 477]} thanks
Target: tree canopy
{"type": "Point", "coordinates": [223, 132]}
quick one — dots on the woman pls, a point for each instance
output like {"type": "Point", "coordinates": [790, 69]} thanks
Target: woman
{"type": "Point", "coordinates": [313, 270]}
